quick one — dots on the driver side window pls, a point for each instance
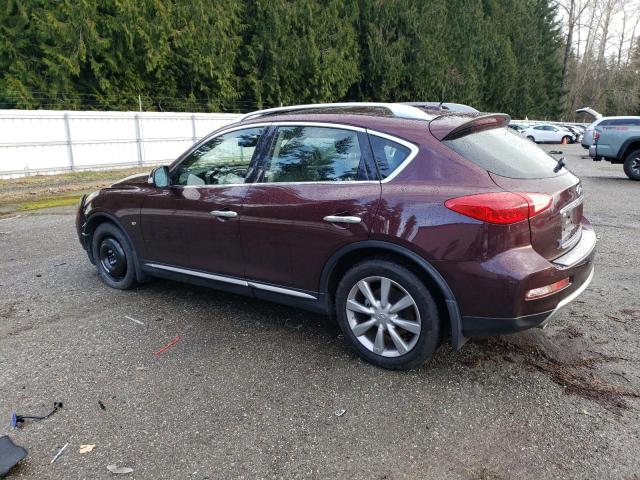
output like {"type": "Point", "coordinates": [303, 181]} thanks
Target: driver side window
{"type": "Point", "coordinates": [222, 160]}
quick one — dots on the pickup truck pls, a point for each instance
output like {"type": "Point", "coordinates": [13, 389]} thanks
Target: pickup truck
{"type": "Point", "coordinates": [617, 140]}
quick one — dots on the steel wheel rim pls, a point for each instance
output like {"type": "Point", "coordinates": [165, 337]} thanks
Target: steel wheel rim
{"type": "Point", "coordinates": [113, 259]}
{"type": "Point", "coordinates": [383, 316]}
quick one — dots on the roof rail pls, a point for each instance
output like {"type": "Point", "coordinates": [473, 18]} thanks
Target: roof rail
{"type": "Point", "coordinates": [399, 110]}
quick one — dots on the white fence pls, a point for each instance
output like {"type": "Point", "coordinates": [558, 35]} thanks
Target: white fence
{"type": "Point", "coordinates": [52, 141]}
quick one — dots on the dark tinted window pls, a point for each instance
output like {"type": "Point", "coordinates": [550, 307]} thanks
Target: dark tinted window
{"type": "Point", "coordinates": [313, 154]}
{"type": "Point", "coordinates": [389, 155]}
{"type": "Point", "coordinates": [616, 122]}
{"type": "Point", "coordinates": [505, 153]}
{"type": "Point", "coordinates": [222, 160]}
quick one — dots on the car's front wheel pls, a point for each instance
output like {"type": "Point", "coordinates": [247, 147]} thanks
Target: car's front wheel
{"type": "Point", "coordinates": [387, 315]}
{"type": "Point", "coordinates": [530, 137]}
{"type": "Point", "coordinates": [632, 165]}
{"type": "Point", "coordinates": [114, 257]}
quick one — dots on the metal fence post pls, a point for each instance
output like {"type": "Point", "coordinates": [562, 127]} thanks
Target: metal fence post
{"type": "Point", "coordinates": [139, 139]}
{"type": "Point", "coordinates": [67, 132]}
{"type": "Point", "coordinates": [193, 128]}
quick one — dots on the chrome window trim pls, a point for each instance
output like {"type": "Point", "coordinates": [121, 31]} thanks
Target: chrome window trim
{"type": "Point", "coordinates": [411, 146]}
{"type": "Point", "coordinates": [232, 280]}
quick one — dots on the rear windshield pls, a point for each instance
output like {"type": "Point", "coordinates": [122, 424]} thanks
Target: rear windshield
{"type": "Point", "coordinates": [505, 152]}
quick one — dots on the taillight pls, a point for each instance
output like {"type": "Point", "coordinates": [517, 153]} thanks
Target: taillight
{"type": "Point", "coordinates": [596, 135]}
{"type": "Point", "coordinates": [501, 208]}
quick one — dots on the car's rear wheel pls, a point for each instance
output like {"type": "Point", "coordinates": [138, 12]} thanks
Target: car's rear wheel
{"type": "Point", "coordinates": [632, 165]}
{"type": "Point", "coordinates": [387, 315]}
{"type": "Point", "coordinates": [530, 137]}
{"type": "Point", "coordinates": [114, 257]}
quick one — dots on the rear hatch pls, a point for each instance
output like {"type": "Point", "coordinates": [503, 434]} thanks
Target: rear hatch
{"type": "Point", "coordinates": [518, 165]}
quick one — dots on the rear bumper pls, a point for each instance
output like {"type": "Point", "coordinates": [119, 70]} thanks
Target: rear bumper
{"type": "Point", "coordinates": [486, 326]}
{"type": "Point", "coordinates": [522, 271]}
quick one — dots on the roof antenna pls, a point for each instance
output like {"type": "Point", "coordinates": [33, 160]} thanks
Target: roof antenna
{"type": "Point", "coordinates": [440, 105]}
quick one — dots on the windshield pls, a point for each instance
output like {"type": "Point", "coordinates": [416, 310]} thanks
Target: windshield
{"type": "Point", "coordinates": [506, 153]}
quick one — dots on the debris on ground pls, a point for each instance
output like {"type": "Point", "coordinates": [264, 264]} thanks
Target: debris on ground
{"type": "Point", "coordinates": [59, 453]}
{"type": "Point", "coordinates": [18, 420]}
{"type": "Point", "coordinates": [101, 405]}
{"type": "Point", "coordinates": [87, 448]}
{"type": "Point", "coordinates": [288, 324]}
{"type": "Point", "coordinates": [567, 367]}
{"type": "Point", "coordinates": [635, 314]}
{"type": "Point", "coordinates": [169, 345]}
{"type": "Point", "coordinates": [10, 454]}
{"type": "Point", "coordinates": [133, 320]}
{"type": "Point", "coordinates": [340, 412]}
{"type": "Point", "coordinates": [60, 264]}
{"type": "Point", "coordinates": [119, 470]}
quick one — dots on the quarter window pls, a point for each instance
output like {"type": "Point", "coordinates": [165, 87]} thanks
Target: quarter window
{"type": "Point", "coordinates": [221, 160]}
{"type": "Point", "coordinates": [314, 154]}
{"type": "Point", "coordinates": [389, 155]}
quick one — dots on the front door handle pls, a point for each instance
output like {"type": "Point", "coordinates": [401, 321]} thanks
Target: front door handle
{"type": "Point", "coordinates": [342, 219]}
{"type": "Point", "coordinates": [224, 213]}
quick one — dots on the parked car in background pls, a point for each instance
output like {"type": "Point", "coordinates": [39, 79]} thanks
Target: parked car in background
{"type": "Point", "coordinates": [408, 226]}
{"type": "Point", "coordinates": [547, 133]}
{"type": "Point", "coordinates": [617, 140]}
{"type": "Point", "coordinates": [587, 138]}
{"type": "Point", "coordinates": [517, 128]}
{"type": "Point", "coordinates": [577, 134]}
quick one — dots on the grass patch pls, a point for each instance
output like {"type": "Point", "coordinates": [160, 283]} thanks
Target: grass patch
{"type": "Point", "coordinates": [50, 202]}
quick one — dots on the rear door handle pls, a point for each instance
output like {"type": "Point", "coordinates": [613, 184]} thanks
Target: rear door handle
{"type": "Point", "coordinates": [224, 213]}
{"type": "Point", "coordinates": [342, 219]}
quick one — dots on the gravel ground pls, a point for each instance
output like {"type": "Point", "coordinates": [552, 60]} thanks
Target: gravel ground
{"type": "Point", "coordinates": [250, 389]}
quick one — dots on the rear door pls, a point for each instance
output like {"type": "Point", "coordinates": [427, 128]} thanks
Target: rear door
{"type": "Point", "coordinates": [521, 166]}
{"type": "Point", "coordinates": [317, 191]}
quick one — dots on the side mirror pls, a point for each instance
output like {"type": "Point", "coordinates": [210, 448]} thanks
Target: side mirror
{"type": "Point", "coordinates": [159, 177]}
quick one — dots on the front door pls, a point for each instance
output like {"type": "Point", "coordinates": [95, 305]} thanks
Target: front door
{"type": "Point", "coordinates": [194, 223]}
{"type": "Point", "coordinates": [317, 191]}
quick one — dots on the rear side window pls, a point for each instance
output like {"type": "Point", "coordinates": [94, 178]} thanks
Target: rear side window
{"type": "Point", "coordinates": [505, 153]}
{"type": "Point", "coordinates": [389, 155]}
{"type": "Point", "coordinates": [314, 154]}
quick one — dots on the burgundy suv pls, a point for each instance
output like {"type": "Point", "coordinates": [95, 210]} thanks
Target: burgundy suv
{"type": "Point", "coordinates": [409, 225]}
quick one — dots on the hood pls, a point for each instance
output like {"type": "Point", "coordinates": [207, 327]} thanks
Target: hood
{"type": "Point", "coordinates": [137, 179]}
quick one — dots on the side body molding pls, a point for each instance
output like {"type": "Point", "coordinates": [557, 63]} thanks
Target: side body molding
{"type": "Point", "coordinates": [457, 338]}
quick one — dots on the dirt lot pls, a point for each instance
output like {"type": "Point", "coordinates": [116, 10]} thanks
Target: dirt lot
{"type": "Point", "coordinates": [250, 389]}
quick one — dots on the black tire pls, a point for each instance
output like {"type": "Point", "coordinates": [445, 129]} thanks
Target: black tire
{"type": "Point", "coordinates": [632, 165]}
{"type": "Point", "coordinates": [428, 338]}
{"type": "Point", "coordinates": [529, 137]}
{"type": "Point", "coordinates": [114, 257]}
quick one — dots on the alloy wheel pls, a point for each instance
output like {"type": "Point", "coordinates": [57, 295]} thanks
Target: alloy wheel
{"type": "Point", "coordinates": [635, 165]}
{"type": "Point", "coordinates": [383, 316]}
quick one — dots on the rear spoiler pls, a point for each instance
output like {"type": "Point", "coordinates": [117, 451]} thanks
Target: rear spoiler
{"type": "Point", "coordinates": [448, 127]}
